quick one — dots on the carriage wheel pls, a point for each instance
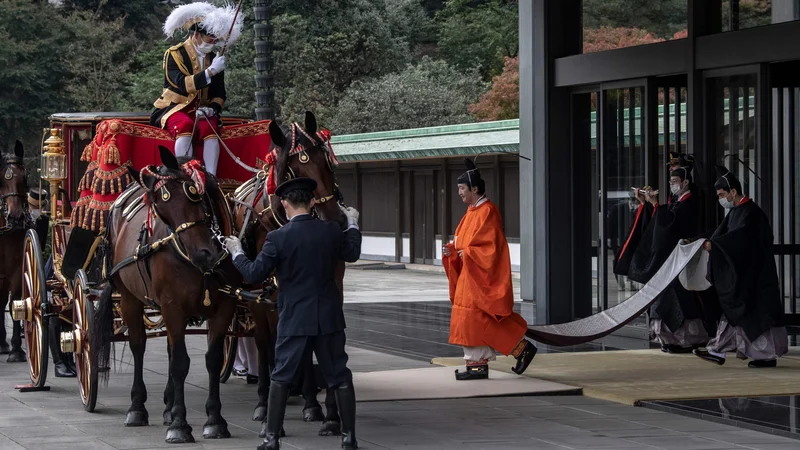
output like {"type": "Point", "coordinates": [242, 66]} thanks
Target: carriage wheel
{"type": "Point", "coordinates": [34, 294]}
{"type": "Point", "coordinates": [82, 318]}
{"type": "Point", "coordinates": [229, 351]}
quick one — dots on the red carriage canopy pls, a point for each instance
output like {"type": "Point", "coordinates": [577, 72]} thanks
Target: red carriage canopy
{"type": "Point", "coordinates": [118, 145]}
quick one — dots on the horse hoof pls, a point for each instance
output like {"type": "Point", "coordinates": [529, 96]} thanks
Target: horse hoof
{"type": "Point", "coordinates": [330, 428]}
{"type": "Point", "coordinates": [167, 418]}
{"type": "Point", "coordinates": [5, 349]}
{"type": "Point", "coordinates": [263, 433]}
{"type": "Point", "coordinates": [217, 431]}
{"type": "Point", "coordinates": [137, 419]}
{"type": "Point", "coordinates": [179, 436]}
{"type": "Point", "coordinates": [16, 356]}
{"type": "Point", "coordinates": [259, 414]}
{"type": "Point", "coordinates": [313, 414]}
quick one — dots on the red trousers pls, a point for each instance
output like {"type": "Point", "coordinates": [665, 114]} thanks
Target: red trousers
{"type": "Point", "coordinates": [181, 123]}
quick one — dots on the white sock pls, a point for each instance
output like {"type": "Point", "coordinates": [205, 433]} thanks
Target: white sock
{"type": "Point", "coordinates": [183, 146]}
{"type": "Point", "coordinates": [211, 155]}
{"type": "Point", "coordinates": [718, 355]}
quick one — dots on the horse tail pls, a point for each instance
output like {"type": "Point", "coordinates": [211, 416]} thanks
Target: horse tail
{"type": "Point", "coordinates": [102, 332]}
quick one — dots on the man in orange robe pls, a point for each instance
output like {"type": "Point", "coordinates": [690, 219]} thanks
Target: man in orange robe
{"type": "Point", "coordinates": [478, 266]}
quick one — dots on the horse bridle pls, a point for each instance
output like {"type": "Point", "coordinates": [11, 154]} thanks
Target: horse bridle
{"type": "Point", "coordinates": [7, 162]}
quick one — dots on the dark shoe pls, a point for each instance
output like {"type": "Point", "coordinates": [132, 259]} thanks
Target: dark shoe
{"type": "Point", "coordinates": [276, 409]}
{"type": "Point", "coordinates": [762, 363]}
{"type": "Point", "coordinates": [346, 401]}
{"type": "Point", "coordinates": [525, 357]}
{"type": "Point", "coordinates": [69, 360]}
{"type": "Point", "coordinates": [665, 348]}
{"type": "Point", "coordinates": [240, 373]}
{"type": "Point", "coordinates": [474, 373]}
{"type": "Point", "coordinates": [703, 354]}
{"type": "Point", "coordinates": [63, 371]}
{"type": "Point", "coordinates": [252, 379]}
{"type": "Point", "coordinates": [677, 349]}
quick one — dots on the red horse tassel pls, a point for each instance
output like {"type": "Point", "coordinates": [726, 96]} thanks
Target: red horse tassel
{"type": "Point", "coordinates": [194, 169]}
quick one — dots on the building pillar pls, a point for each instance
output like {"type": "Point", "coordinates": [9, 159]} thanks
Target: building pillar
{"type": "Point", "coordinates": [546, 183]}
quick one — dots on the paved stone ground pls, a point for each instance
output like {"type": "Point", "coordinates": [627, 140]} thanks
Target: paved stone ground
{"type": "Point", "coordinates": [56, 420]}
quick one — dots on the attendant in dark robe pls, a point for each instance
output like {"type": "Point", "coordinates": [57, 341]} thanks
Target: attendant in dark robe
{"type": "Point", "coordinates": [742, 268]}
{"type": "Point", "coordinates": [677, 314]}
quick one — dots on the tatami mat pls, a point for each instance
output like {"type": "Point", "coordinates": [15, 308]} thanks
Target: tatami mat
{"type": "Point", "coordinates": [440, 383]}
{"type": "Point", "coordinates": [629, 376]}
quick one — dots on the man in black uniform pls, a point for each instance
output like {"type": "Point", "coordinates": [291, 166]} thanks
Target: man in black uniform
{"type": "Point", "coordinates": [304, 254]}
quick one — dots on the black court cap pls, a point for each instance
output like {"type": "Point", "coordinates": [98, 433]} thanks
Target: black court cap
{"type": "Point", "coordinates": [304, 184]}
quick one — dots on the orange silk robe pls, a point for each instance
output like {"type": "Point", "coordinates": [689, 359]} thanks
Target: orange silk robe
{"type": "Point", "coordinates": [480, 283]}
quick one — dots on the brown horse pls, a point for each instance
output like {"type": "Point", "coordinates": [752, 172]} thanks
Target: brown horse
{"type": "Point", "coordinates": [14, 221]}
{"type": "Point", "coordinates": [174, 268]}
{"type": "Point", "coordinates": [301, 152]}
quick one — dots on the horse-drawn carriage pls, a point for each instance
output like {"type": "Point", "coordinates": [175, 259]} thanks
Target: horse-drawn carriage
{"type": "Point", "coordinates": [111, 255]}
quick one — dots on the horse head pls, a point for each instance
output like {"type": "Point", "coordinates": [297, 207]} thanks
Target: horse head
{"type": "Point", "coordinates": [175, 195]}
{"type": "Point", "coordinates": [304, 151]}
{"type": "Point", "coordinates": [13, 190]}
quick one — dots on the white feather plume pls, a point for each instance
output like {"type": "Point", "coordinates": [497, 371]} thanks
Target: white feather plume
{"type": "Point", "coordinates": [185, 16]}
{"type": "Point", "coordinates": [218, 23]}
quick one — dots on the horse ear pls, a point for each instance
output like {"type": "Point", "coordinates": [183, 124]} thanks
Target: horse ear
{"type": "Point", "coordinates": [168, 159]}
{"type": "Point", "coordinates": [133, 173]}
{"type": "Point", "coordinates": [18, 150]}
{"type": "Point", "coordinates": [275, 133]}
{"type": "Point", "coordinates": [311, 123]}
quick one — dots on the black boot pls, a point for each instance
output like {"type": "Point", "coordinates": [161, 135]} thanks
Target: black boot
{"type": "Point", "coordinates": [474, 373]}
{"type": "Point", "coordinates": [762, 363]}
{"type": "Point", "coordinates": [346, 400]}
{"type": "Point", "coordinates": [61, 369]}
{"type": "Point", "coordinates": [525, 357]}
{"type": "Point", "coordinates": [276, 409]}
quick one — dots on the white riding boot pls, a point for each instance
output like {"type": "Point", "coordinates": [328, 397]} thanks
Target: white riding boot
{"type": "Point", "coordinates": [211, 155]}
{"type": "Point", "coordinates": [183, 146]}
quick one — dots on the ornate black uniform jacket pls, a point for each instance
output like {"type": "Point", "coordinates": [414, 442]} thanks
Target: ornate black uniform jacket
{"type": "Point", "coordinates": [185, 81]}
{"type": "Point", "coordinates": [304, 254]}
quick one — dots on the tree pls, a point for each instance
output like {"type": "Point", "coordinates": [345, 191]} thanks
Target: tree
{"type": "Point", "coordinates": [33, 71]}
{"type": "Point", "coordinates": [501, 102]}
{"type": "Point", "coordinates": [431, 93]}
{"type": "Point", "coordinates": [479, 34]}
{"type": "Point", "coordinates": [605, 38]}
{"type": "Point", "coordinates": [99, 59]}
{"type": "Point", "coordinates": [142, 17]}
{"type": "Point", "coordinates": [661, 18]}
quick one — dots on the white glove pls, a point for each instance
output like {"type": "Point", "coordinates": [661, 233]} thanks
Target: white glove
{"type": "Point", "coordinates": [206, 111]}
{"type": "Point", "coordinates": [234, 246]}
{"type": "Point", "coordinates": [352, 216]}
{"type": "Point", "coordinates": [217, 65]}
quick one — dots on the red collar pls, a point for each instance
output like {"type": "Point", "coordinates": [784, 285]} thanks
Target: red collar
{"type": "Point", "coordinates": [685, 195]}
{"type": "Point", "coordinates": [745, 199]}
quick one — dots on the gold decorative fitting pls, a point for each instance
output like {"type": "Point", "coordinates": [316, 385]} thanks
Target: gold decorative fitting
{"type": "Point", "coordinates": [9, 173]}
{"type": "Point", "coordinates": [207, 300]}
{"type": "Point", "coordinates": [68, 342]}
{"type": "Point", "coordinates": [165, 194]}
{"type": "Point", "coordinates": [303, 157]}
{"type": "Point", "coordinates": [21, 310]}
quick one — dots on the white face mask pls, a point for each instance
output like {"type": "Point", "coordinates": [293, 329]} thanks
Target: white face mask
{"type": "Point", "coordinates": [675, 188]}
{"type": "Point", "coordinates": [725, 203]}
{"type": "Point", "coordinates": [205, 48]}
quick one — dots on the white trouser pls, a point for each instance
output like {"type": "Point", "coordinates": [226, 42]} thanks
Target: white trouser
{"type": "Point", "coordinates": [183, 146]}
{"type": "Point", "coordinates": [479, 353]}
{"type": "Point", "coordinates": [247, 353]}
{"type": "Point", "coordinates": [211, 155]}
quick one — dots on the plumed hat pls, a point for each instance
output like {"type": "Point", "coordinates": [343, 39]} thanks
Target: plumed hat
{"type": "Point", "coordinates": [206, 18]}
{"type": "Point", "coordinates": [472, 177]}
{"type": "Point", "coordinates": [295, 184]}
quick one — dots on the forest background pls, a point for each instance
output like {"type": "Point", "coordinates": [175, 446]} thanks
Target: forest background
{"type": "Point", "coordinates": [360, 65]}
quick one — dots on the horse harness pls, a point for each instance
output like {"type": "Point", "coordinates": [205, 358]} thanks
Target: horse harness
{"type": "Point", "coordinates": [7, 162]}
{"type": "Point", "coordinates": [173, 239]}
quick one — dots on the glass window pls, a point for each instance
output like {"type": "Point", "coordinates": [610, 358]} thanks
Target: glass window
{"type": "Point", "coordinates": [615, 24]}
{"type": "Point", "coordinates": [741, 14]}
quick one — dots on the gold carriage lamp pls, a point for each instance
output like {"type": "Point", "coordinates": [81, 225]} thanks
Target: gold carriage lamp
{"type": "Point", "coordinates": [54, 166]}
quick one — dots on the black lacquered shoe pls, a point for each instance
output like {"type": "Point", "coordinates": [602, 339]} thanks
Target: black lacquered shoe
{"type": "Point", "coordinates": [473, 373]}
{"type": "Point", "coordinates": [703, 354]}
{"type": "Point", "coordinates": [762, 363]}
{"type": "Point", "coordinates": [525, 357]}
